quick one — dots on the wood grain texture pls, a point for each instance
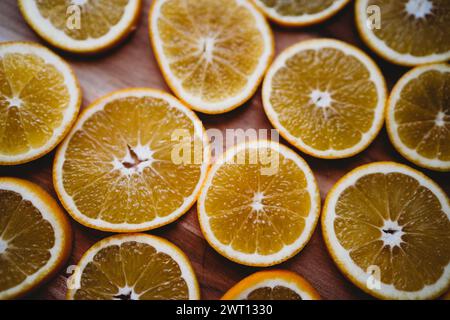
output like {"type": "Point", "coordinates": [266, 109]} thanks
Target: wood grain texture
{"type": "Point", "coordinates": [132, 64]}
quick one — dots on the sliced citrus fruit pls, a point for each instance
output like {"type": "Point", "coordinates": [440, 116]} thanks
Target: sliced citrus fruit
{"type": "Point", "coordinates": [39, 101]}
{"type": "Point", "coordinates": [418, 116]}
{"type": "Point", "coordinates": [407, 32]}
{"type": "Point", "coordinates": [272, 285]}
{"type": "Point", "coordinates": [122, 168]}
{"type": "Point", "coordinates": [387, 227]}
{"type": "Point", "coordinates": [298, 13]}
{"type": "Point", "coordinates": [81, 26]}
{"type": "Point", "coordinates": [134, 267]}
{"type": "Point", "coordinates": [260, 204]}
{"type": "Point", "coordinates": [212, 53]}
{"type": "Point", "coordinates": [35, 237]}
{"type": "Point", "coordinates": [325, 97]}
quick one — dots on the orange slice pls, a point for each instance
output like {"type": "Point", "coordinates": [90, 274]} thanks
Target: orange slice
{"type": "Point", "coordinates": [297, 13]}
{"type": "Point", "coordinates": [410, 32]}
{"type": "Point", "coordinates": [82, 26]}
{"type": "Point", "coordinates": [134, 267]}
{"type": "Point", "coordinates": [35, 237]}
{"type": "Point", "coordinates": [418, 116]}
{"type": "Point", "coordinates": [387, 227]}
{"type": "Point", "coordinates": [272, 285]}
{"type": "Point", "coordinates": [212, 53]}
{"type": "Point", "coordinates": [135, 160]}
{"type": "Point", "coordinates": [39, 101]}
{"type": "Point", "coordinates": [325, 97]}
{"type": "Point", "coordinates": [260, 204]}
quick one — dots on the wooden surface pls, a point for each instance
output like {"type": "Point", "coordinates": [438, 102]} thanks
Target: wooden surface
{"type": "Point", "coordinates": [132, 64]}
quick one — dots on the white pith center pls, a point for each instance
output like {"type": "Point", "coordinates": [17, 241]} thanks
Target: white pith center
{"type": "Point", "coordinates": [207, 48]}
{"type": "Point", "coordinates": [126, 293]}
{"type": "Point", "coordinates": [257, 204]}
{"type": "Point", "coordinates": [79, 2]}
{"type": "Point", "coordinates": [14, 102]}
{"type": "Point", "coordinates": [132, 164]}
{"type": "Point", "coordinates": [391, 234]}
{"type": "Point", "coordinates": [419, 8]}
{"type": "Point", "coordinates": [321, 99]}
{"type": "Point", "coordinates": [3, 246]}
{"type": "Point", "coordinates": [440, 119]}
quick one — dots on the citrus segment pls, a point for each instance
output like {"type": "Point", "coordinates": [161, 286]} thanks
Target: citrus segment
{"type": "Point", "coordinates": [300, 12]}
{"type": "Point", "coordinates": [39, 101]}
{"type": "Point", "coordinates": [389, 225]}
{"type": "Point", "coordinates": [134, 267]}
{"type": "Point", "coordinates": [418, 116]}
{"type": "Point", "coordinates": [406, 32]}
{"type": "Point", "coordinates": [83, 26]}
{"type": "Point", "coordinates": [35, 237]}
{"type": "Point", "coordinates": [213, 53]}
{"type": "Point", "coordinates": [259, 204]}
{"type": "Point", "coordinates": [337, 107]}
{"type": "Point", "coordinates": [122, 167]}
{"type": "Point", "coordinates": [272, 285]}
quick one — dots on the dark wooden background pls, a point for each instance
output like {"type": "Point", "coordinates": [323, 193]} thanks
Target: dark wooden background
{"type": "Point", "coordinates": [132, 64]}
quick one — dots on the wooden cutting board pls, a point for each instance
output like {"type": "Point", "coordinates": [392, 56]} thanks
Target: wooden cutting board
{"type": "Point", "coordinates": [132, 64]}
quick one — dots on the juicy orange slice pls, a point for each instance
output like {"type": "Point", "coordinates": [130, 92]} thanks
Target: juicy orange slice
{"type": "Point", "coordinates": [325, 97]}
{"type": "Point", "coordinates": [134, 267]}
{"type": "Point", "coordinates": [418, 116]}
{"type": "Point", "coordinates": [212, 53]}
{"type": "Point", "coordinates": [272, 285]}
{"type": "Point", "coordinates": [407, 32]}
{"type": "Point", "coordinates": [39, 101]}
{"type": "Point", "coordinates": [135, 160]}
{"type": "Point", "coordinates": [300, 12]}
{"type": "Point", "coordinates": [81, 26]}
{"type": "Point", "coordinates": [35, 237]}
{"type": "Point", "coordinates": [260, 204]}
{"type": "Point", "coordinates": [387, 226]}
